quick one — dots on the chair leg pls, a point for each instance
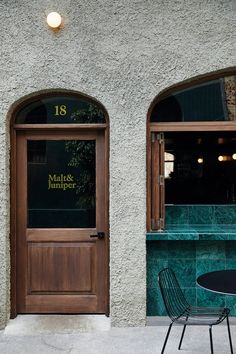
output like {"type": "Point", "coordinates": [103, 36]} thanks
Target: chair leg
{"type": "Point", "coordinates": [167, 335]}
{"type": "Point", "coordinates": [182, 336]}
{"type": "Point", "coordinates": [211, 342]}
{"type": "Point", "coordinates": [230, 340]}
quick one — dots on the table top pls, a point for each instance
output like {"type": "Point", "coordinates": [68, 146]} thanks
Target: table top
{"type": "Point", "coordinates": [222, 281]}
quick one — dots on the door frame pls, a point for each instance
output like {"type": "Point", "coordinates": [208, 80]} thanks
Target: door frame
{"type": "Point", "coordinates": [65, 128]}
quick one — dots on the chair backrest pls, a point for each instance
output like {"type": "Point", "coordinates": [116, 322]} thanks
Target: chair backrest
{"type": "Point", "coordinates": [175, 302]}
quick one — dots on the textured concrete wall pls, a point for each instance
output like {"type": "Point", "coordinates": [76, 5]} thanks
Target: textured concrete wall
{"type": "Point", "coordinates": [230, 96]}
{"type": "Point", "coordinates": [123, 53]}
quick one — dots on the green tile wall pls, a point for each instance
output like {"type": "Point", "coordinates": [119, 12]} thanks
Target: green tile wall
{"type": "Point", "coordinates": [195, 241]}
{"type": "Point", "coordinates": [200, 214]}
{"type": "Point", "coordinates": [189, 259]}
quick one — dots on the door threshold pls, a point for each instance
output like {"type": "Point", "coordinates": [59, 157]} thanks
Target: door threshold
{"type": "Point", "coordinates": [30, 325]}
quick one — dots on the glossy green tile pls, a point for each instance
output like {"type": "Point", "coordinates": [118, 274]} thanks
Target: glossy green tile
{"type": "Point", "coordinates": [156, 236]}
{"type": "Point", "coordinates": [213, 236]}
{"type": "Point", "coordinates": [190, 294]}
{"type": "Point", "coordinates": [207, 298]}
{"type": "Point", "coordinates": [155, 305]}
{"type": "Point", "coordinates": [180, 228]}
{"type": "Point", "coordinates": [229, 228]}
{"type": "Point", "coordinates": [207, 228]}
{"type": "Point", "coordinates": [209, 265]}
{"type": "Point", "coordinates": [176, 214]}
{"type": "Point", "coordinates": [152, 302]}
{"type": "Point", "coordinates": [229, 231]}
{"type": "Point", "coordinates": [201, 214]}
{"type": "Point", "coordinates": [230, 263]}
{"type": "Point", "coordinates": [185, 270]}
{"type": "Point", "coordinates": [157, 249]}
{"type": "Point", "coordinates": [189, 259]}
{"type": "Point", "coordinates": [154, 266]}
{"type": "Point", "coordinates": [230, 249]}
{"type": "Point", "coordinates": [210, 249]}
{"type": "Point", "coordinates": [182, 249]}
{"type": "Point", "coordinates": [231, 236]}
{"type": "Point", "coordinates": [182, 236]}
{"type": "Point", "coordinates": [230, 302]}
{"type": "Point", "coordinates": [225, 214]}
{"type": "Point", "coordinates": [160, 306]}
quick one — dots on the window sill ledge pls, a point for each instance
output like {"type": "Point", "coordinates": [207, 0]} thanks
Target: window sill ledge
{"type": "Point", "coordinates": [194, 232]}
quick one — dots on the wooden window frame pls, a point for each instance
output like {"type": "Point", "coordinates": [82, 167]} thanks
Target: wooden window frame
{"type": "Point", "coordinates": [155, 165]}
{"type": "Point", "coordinates": [155, 217]}
{"type": "Point", "coordinates": [158, 189]}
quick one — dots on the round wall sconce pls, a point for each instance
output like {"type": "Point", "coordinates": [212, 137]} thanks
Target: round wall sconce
{"type": "Point", "coordinates": [54, 20]}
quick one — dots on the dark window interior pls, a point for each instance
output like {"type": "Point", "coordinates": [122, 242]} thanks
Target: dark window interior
{"type": "Point", "coordinates": [61, 183]}
{"type": "Point", "coordinates": [205, 102]}
{"type": "Point", "coordinates": [37, 152]}
{"type": "Point", "coordinates": [200, 168]}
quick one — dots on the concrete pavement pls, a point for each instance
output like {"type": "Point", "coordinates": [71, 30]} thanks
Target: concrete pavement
{"type": "Point", "coordinates": [100, 339]}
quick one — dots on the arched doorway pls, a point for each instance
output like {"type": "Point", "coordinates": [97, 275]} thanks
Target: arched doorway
{"type": "Point", "coordinates": [59, 204]}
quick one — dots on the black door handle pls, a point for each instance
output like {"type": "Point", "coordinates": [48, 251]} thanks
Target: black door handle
{"type": "Point", "coordinates": [100, 235]}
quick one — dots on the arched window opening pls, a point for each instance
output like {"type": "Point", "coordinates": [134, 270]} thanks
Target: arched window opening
{"type": "Point", "coordinates": [210, 101]}
{"type": "Point", "coordinates": [193, 152]}
{"type": "Point", "coordinates": [61, 109]}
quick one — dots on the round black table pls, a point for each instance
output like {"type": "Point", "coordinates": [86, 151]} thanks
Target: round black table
{"type": "Point", "coordinates": [222, 281]}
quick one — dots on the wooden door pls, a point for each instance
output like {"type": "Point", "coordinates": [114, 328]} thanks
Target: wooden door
{"type": "Point", "coordinates": [61, 230]}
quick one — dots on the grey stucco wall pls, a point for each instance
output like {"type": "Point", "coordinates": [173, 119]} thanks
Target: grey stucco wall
{"type": "Point", "coordinates": [123, 53]}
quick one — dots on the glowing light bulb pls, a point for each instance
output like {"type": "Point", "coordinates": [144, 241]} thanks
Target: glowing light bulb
{"type": "Point", "coordinates": [220, 158]}
{"type": "Point", "coordinates": [200, 160]}
{"type": "Point", "coordinates": [234, 156]}
{"type": "Point", "coordinates": [54, 19]}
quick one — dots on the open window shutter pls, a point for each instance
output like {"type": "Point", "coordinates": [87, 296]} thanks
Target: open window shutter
{"type": "Point", "coordinates": [158, 181]}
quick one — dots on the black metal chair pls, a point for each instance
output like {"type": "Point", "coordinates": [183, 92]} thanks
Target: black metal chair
{"type": "Point", "coordinates": [181, 312]}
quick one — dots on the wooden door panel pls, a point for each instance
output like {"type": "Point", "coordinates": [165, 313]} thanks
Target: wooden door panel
{"type": "Point", "coordinates": [54, 235]}
{"type": "Point", "coordinates": [61, 267]}
{"type": "Point", "coordinates": [61, 304]}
